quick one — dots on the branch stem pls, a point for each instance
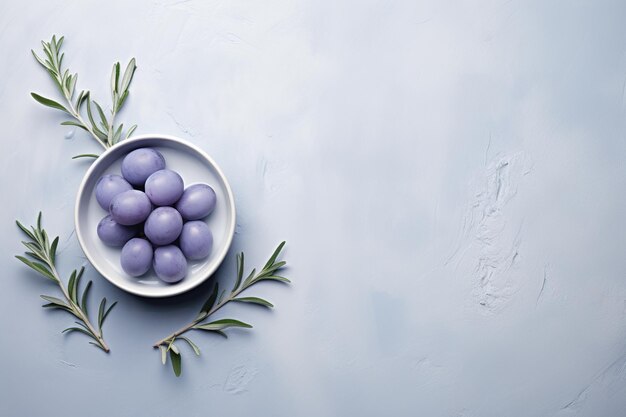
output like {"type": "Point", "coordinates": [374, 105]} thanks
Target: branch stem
{"type": "Point", "coordinates": [78, 117]}
{"type": "Point", "coordinates": [189, 326]}
{"type": "Point", "coordinates": [111, 125]}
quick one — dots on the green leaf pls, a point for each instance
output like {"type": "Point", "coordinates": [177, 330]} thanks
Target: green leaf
{"type": "Point", "coordinates": [52, 305]}
{"type": "Point", "coordinates": [221, 325]}
{"type": "Point", "coordinates": [53, 73]}
{"type": "Point", "coordinates": [115, 77]}
{"type": "Point", "coordinates": [57, 80]}
{"type": "Point", "coordinates": [53, 249]}
{"type": "Point", "coordinates": [53, 46]}
{"type": "Point", "coordinates": [25, 230]}
{"type": "Point", "coordinates": [82, 97]}
{"type": "Point", "coordinates": [38, 236]}
{"type": "Point", "coordinates": [46, 50]}
{"type": "Point", "coordinates": [103, 304]}
{"type": "Point", "coordinates": [64, 78]}
{"type": "Point", "coordinates": [99, 346]}
{"type": "Point", "coordinates": [176, 362]}
{"type": "Point", "coordinates": [41, 61]}
{"type": "Point", "coordinates": [83, 325]}
{"type": "Point", "coordinates": [240, 265]}
{"type": "Point", "coordinates": [118, 133]}
{"type": "Point", "coordinates": [254, 300]}
{"type": "Point", "coordinates": [39, 222]}
{"type": "Point", "coordinates": [49, 66]}
{"type": "Point", "coordinates": [174, 348]}
{"type": "Point", "coordinates": [121, 100]}
{"type": "Point", "coordinates": [46, 242]}
{"type": "Point", "coordinates": [275, 255]}
{"type": "Point", "coordinates": [43, 270]}
{"type": "Point", "coordinates": [163, 354]}
{"type": "Point", "coordinates": [86, 155]}
{"type": "Point", "coordinates": [94, 126]}
{"type": "Point", "coordinates": [128, 75]}
{"type": "Point", "coordinates": [130, 131]}
{"type": "Point", "coordinates": [55, 301]}
{"type": "Point", "coordinates": [77, 329]}
{"type": "Point", "coordinates": [48, 102]}
{"type": "Point", "coordinates": [106, 313]}
{"type": "Point", "coordinates": [73, 123]}
{"type": "Point", "coordinates": [195, 348]}
{"type": "Point", "coordinates": [103, 119]}
{"type": "Point", "coordinates": [71, 84]}
{"type": "Point", "coordinates": [272, 278]}
{"type": "Point", "coordinates": [249, 278]}
{"type": "Point", "coordinates": [274, 267]}
{"type": "Point", "coordinates": [71, 286]}
{"type": "Point", "coordinates": [74, 288]}
{"type": "Point", "coordinates": [206, 307]}
{"type": "Point", "coordinates": [83, 302]}
{"type": "Point", "coordinates": [36, 255]}
{"type": "Point", "coordinates": [90, 116]}
{"type": "Point", "coordinates": [35, 247]}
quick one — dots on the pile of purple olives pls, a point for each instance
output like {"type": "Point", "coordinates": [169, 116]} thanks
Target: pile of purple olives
{"type": "Point", "coordinates": [153, 217]}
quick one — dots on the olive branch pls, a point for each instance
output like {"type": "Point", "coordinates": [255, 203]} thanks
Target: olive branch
{"type": "Point", "coordinates": [41, 257]}
{"type": "Point", "coordinates": [217, 300]}
{"type": "Point", "coordinates": [104, 130]}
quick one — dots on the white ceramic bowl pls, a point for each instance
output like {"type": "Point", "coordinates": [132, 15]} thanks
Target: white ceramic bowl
{"type": "Point", "coordinates": [195, 166]}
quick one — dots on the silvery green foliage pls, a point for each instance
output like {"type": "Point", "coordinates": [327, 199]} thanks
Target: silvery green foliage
{"type": "Point", "coordinates": [104, 129]}
{"type": "Point", "coordinates": [41, 257]}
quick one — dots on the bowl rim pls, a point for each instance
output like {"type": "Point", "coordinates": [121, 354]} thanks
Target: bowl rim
{"type": "Point", "coordinates": [176, 290]}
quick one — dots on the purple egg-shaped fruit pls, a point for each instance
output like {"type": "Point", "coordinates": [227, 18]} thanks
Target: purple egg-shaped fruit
{"type": "Point", "coordinates": [164, 187]}
{"type": "Point", "coordinates": [169, 263]}
{"type": "Point", "coordinates": [130, 207]}
{"type": "Point", "coordinates": [196, 240]}
{"type": "Point", "coordinates": [139, 164]}
{"type": "Point", "coordinates": [136, 257]}
{"type": "Point", "coordinates": [112, 233]}
{"type": "Point", "coordinates": [197, 201]}
{"type": "Point", "coordinates": [163, 226]}
{"type": "Point", "coordinates": [109, 186]}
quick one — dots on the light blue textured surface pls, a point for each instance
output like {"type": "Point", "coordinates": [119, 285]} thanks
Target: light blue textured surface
{"type": "Point", "coordinates": [449, 177]}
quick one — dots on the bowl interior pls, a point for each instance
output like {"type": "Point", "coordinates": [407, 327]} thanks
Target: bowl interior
{"type": "Point", "coordinates": [195, 166]}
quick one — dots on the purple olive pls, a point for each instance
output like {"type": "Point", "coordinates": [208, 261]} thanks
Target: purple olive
{"type": "Point", "coordinates": [163, 226]}
{"type": "Point", "coordinates": [169, 263]}
{"type": "Point", "coordinates": [197, 201]}
{"type": "Point", "coordinates": [108, 187]}
{"type": "Point", "coordinates": [139, 164]}
{"type": "Point", "coordinates": [130, 207]}
{"type": "Point", "coordinates": [112, 233]}
{"type": "Point", "coordinates": [164, 187]}
{"type": "Point", "coordinates": [136, 257]}
{"type": "Point", "coordinates": [196, 240]}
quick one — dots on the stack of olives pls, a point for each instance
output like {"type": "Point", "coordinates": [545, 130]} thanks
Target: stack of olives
{"type": "Point", "coordinates": [153, 217]}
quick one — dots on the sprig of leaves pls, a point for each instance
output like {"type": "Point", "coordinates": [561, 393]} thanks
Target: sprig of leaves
{"type": "Point", "coordinates": [104, 130]}
{"type": "Point", "coordinates": [217, 300]}
{"type": "Point", "coordinates": [41, 257]}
